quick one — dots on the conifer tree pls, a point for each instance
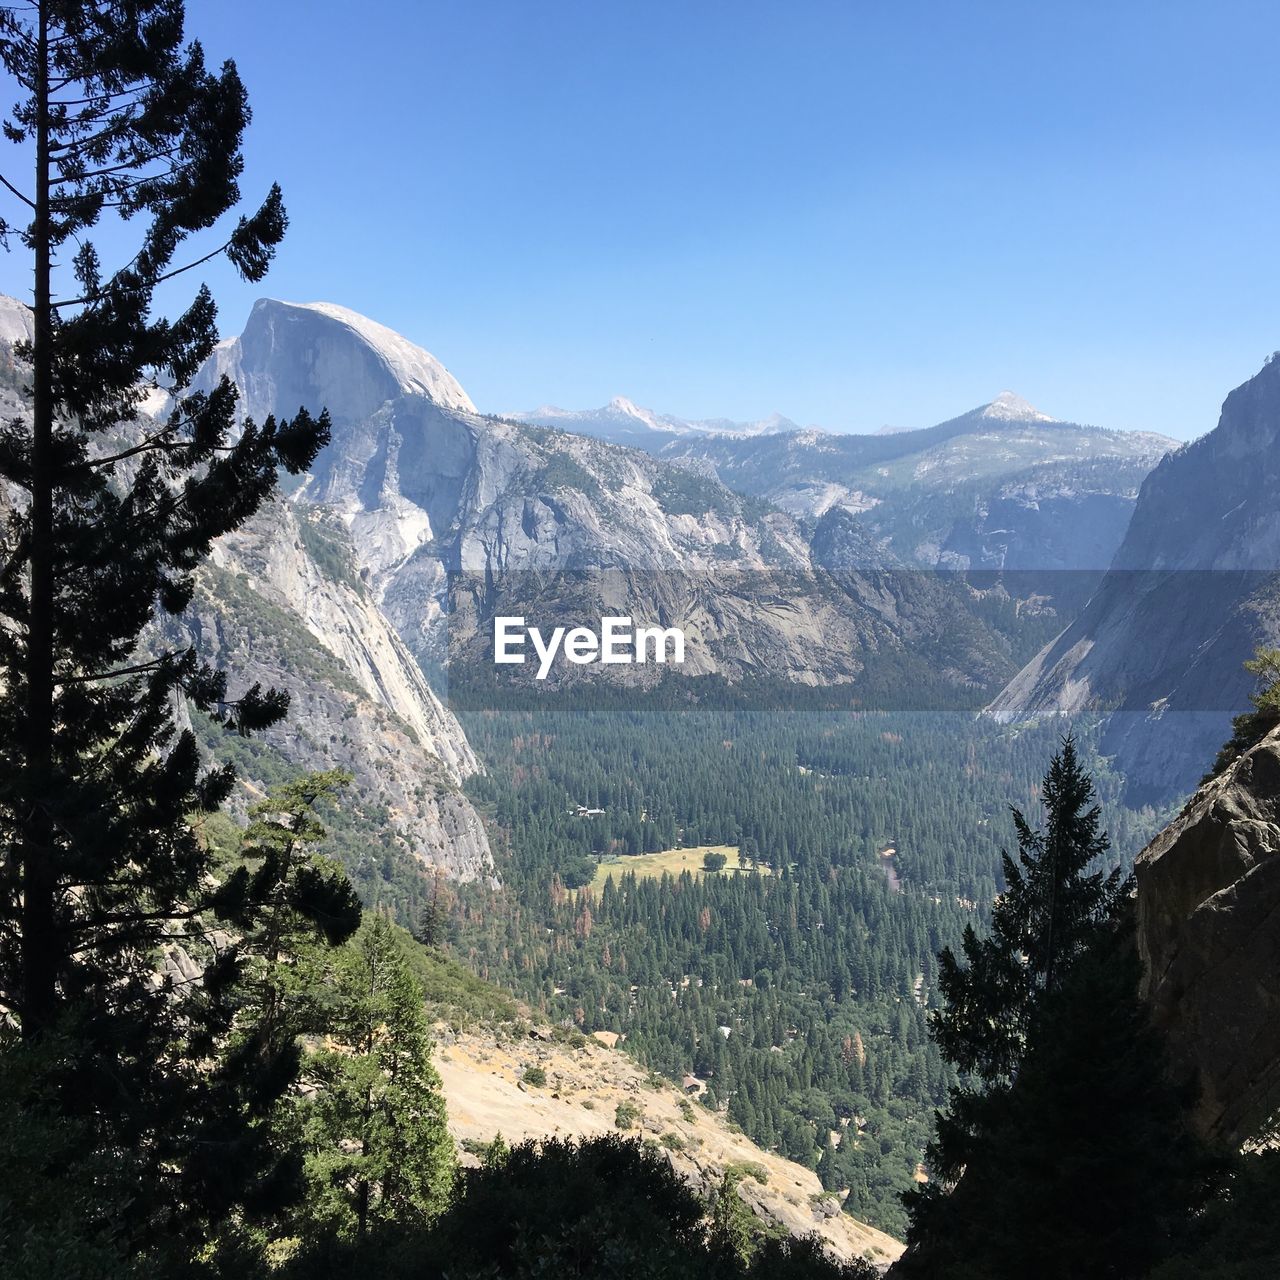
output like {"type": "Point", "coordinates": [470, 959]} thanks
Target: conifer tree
{"type": "Point", "coordinates": [126, 131]}
{"type": "Point", "coordinates": [1053, 907]}
{"type": "Point", "coordinates": [434, 918]}
{"type": "Point", "coordinates": [733, 1227]}
{"type": "Point", "coordinates": [1250, 727]}
{"type": "Point", "coordinates": [286, 905]}
{"type": "Point", "coordinates": [496, 1152]}
{"type": "Point", "coordinates": [281, 899]}
{"type": "Point", "coordinates": [1086, 1166]}
{"type": "Point", "coordinates": [381, 1153]}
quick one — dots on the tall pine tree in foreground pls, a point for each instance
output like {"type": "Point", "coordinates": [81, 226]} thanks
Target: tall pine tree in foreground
{"type": "Point", "coordinates": [1066, 1152]}
{"type": "Point", "coordinates": [122, 129]}
{"type": "Point", "coordinates": [1052, 908]}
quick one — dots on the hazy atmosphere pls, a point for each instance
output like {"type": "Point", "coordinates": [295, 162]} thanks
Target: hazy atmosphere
{"type": "Point", "coordinates": [851, 214]}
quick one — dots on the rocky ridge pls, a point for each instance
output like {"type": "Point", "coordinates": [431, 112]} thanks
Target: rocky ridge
{"type": "Point", "coordinates": [451, 514]}
{"type": "Point", "coordinates": [1209, 936]}
{"type": "Point", "coordinates": [622, 421]}
{"type": "Point", "coordinates": [1001, 486]}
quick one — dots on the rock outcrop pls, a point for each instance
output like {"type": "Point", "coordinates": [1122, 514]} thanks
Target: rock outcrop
{"type": "Point", "coordinates": [301, 560]}
{"type": "Point", "coordinates": [1209, 935]}
{"type": "Point", "coordinates": [280, 604]}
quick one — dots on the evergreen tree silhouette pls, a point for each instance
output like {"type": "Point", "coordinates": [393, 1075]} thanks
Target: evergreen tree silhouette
{"type": "Point", "coordinates": [1065, 1153]}
{"type": "Point", "coordinates": [1051, 909]}
{"type": "Point", "coordinates": [1085, 1165]}
{"type": "Point", "coordinates": [125, 130]}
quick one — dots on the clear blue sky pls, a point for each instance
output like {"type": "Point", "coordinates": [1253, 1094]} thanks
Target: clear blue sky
{"type": "Point", "coordinates": [853, 213]}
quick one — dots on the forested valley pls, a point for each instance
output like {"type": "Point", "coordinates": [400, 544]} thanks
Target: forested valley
{"type": "Point", "coordinates": [262, 888]}
{"type": "Point", "coordinates": [795, 985]}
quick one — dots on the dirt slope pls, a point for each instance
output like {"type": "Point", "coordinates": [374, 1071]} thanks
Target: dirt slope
{"type": "Point", "coordinates": [482, 1082]}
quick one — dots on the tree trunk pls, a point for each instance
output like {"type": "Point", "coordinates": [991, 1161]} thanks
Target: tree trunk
{"type": "Point", "coordinates": [39, 951]}
{"type": "Point", "coordinates": [362, 1201]}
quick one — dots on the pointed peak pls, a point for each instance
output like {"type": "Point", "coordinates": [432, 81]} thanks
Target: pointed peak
{"type": "Point", "coordinates": [629, 409]}
{"type": "Point", "coordinates": [1008, 406]}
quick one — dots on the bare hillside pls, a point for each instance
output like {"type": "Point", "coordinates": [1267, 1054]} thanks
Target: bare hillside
{"type": "Point", "coordinates": [584, 1087]}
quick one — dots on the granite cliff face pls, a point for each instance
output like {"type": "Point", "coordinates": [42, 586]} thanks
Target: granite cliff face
{"type": "Point", "coordinates": [1193, 589]}
{"type": "Point", "coordinates": [279, 605]}
{"type": "Point", "coordinates": [454, 516]}
{"type": "Point", "coordinates": [300, 560]}
{"type": "Point", "coordinates": [288, 601]}
{"type": "Point", "coordinates": [1209, 935]}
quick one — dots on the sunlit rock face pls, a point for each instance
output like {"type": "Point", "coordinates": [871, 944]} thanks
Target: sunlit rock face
{"type": "Point", "coordinates": [358, 697]}
{"type": "Point", "coordinates": [428, 489]}
{"type": "Point", "coordinates": [320, 353]}
{"type": "Point", "coordinates": [1209, 935]}
{"type": "Point", "coordinates": [280, 604]}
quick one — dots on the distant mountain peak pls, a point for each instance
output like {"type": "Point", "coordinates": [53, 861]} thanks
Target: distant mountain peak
{"type": "Point", "coordinates": [629, 409]}
{"type": "Point", "coordinates": [624, 421]}
{"type": "Point", "coordinates": [1008, 406]}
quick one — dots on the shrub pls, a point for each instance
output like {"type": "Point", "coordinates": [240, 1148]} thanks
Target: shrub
{"type": "Point", "coordinates": [607, 1206]}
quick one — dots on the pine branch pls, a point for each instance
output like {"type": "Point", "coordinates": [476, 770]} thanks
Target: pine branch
{"type": "Point", "coordinates": [31, 204]}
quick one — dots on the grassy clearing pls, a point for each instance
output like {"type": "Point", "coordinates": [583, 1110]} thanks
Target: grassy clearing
{"type": "Point", "coordinates": [671, 862]}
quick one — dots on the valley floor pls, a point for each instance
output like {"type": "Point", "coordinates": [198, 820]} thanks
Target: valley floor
{"type": "Point", "coordinates": [672, 862]}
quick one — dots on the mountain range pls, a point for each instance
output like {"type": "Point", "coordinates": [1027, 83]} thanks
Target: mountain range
{"type": "Point", "coordinates": [622, 421]}
{"type": "Point", "coordinates": [1168, 554]}
{"type": "Point", "coordinates": [445, 516]}
{"type": "Point", "coordinates": [790, 552]}
{"type": "Point", "coordinates": [449, 517]}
